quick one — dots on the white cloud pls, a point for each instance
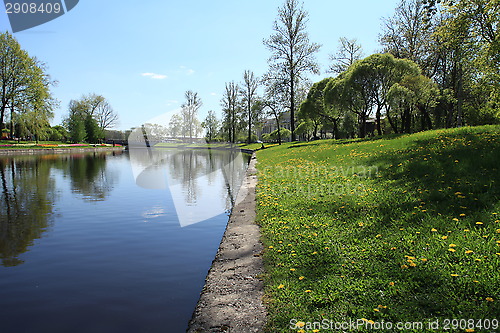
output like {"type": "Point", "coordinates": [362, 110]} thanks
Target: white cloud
{"type": "Point", "coordinates": [213, 94]}
{"type": "Point", "coordinates": [155, 76]}
{"type": "Point", "coordinates": [190, 71]}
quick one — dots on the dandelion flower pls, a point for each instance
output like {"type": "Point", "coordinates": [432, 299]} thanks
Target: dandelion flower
{"type": "Point", "coordinates": [489, 299]}
{"type": "Point", "coordinates": [301, 278]}
{"type": "Point", "coordinates": [453, 245]}
{"type": "Point", "coordinates": [391, 284]}
{"type": "Point", "coordinates": [469, 330]}
{"type": "Point", "coordinates": [292, 269]}
{"type": "Point", "coordinates": [454, 275]}
{"type": "Point", "coordinates": [444, 237]}
{"type": "Point", "coordinates": [451, 249]}
{"type": "Point", "coordinates": [479, 223]}
{"type": "Point", "coordinates": [281, 286]}
{"type": "Point", "coordinates": [433, 230]}
{"type": "Point", "coordinates": [300, 324]}
{"type": "Point", "coordinates": [308, 291]}
{"type": "Point", "coordinates": [469, 252]}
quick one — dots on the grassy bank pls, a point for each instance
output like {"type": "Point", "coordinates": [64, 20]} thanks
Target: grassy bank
{"type": "Point", "coordinates": [403, 229]}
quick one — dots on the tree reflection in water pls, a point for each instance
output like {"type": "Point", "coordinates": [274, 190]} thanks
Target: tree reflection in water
{"type": "Point", "coordinates": [28, 195]}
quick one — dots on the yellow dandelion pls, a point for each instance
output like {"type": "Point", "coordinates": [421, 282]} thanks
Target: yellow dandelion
{"type": "Point", "coordinates": [376, 310]}
{"type": "Point", "coordinates": [433, 230]}
{"type": "Point", "coordinates": [469, 252]}
{"type": "Point", "coordinates": [292, 269]}
{"type": "Point", "coordinates": [412, 264]}
{"type": "Point", "coordinates": [451, 249]}
{"type": "Point", "coordinates": [469, 330]}
{"type": "Point", "coordinates": [479, 223]}
{"type": "Point", "coordinates": [444, 237]}
{"type": "Point", "coordinates": [424, 259]}
{"type": "Point", "coordinates": [404, 266]}
{"type": "Point", "coordinates": [300, 324]}
{"type": "Point", "coordinates": [281, 286]}
{"type": "Point", "coordinates": [462, 215]}
{"type": "Point", "coordinates": [453, 245]}
{"type": "Point", "coordinates": [454, 275]}
{"type": "Point", "coordinates": [489, 299]}
{"type": "Point", "coordinates": [271, 247]}
{"type": "Point", "coordinates": [301, 278]}
{"type": "Point", "coordinates": [455, 219]}
{"type": "Point", "coordinates": [308, 291]}
{"type": "Point", "coordinates": [391, 284]}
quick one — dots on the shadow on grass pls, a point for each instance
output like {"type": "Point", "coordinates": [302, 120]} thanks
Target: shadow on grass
{"type": "Point", "coordinates": [447, 182]}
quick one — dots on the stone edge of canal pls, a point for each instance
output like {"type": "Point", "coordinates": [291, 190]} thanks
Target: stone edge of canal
{"type": "Point", "coordinates": [231, 300]}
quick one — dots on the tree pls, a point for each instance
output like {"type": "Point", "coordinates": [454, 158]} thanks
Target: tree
{"type": "Point", "coordinates": [75, 123]}
{"type": "Point", "coordinates": [292, 52]}
{"type": "Point", "coordinates": [407, 35]}
{"type": "Point", "coordinates": [313, 108]}
{"type": "Point", "coordinates": [249, 96]}
{"type": "Point", "coordinates": [231, 108]}
{"type": "Point", "coordinates": [275, 100]}
{"type": "Point", "coordinates": [190, 111]}
{"type": "Point", "coordinates": [175, 128]}
{"type": "Point", "coordinates": [100, 109]}
{"type": "Point", "coordinates": [349, 51]}
{"type": "Point", "coordinates": [24, 88]}
{"type": "Point", "coordinates": [211, 126]}
{"type": "Point", "coordinates": [93, 106]}
{"type": "Point", "coordinates": [92, 130]}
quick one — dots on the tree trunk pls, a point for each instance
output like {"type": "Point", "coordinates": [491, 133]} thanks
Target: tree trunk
{"type": "Point", "coordinates": [292, 105]}
{"type": "Point", "coordinates": [378, 115]}
{"type": "Point", "coordinates": [362, 126]}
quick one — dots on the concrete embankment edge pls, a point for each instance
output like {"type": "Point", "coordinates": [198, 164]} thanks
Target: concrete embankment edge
{"type": "Point", "coordinates": [231, 300]}
{"type": "Point", "coordinates": [57, 151]}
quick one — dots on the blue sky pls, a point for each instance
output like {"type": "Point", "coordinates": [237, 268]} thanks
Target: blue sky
{"type": "Point", "coordinates": [143, 55]}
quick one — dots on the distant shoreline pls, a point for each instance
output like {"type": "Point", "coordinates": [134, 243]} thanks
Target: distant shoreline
{"type": "Point", "coordinates": [34, 151]}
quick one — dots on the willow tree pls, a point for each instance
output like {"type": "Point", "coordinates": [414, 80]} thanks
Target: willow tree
{"type": "Point", "coordinates": [292, 54]}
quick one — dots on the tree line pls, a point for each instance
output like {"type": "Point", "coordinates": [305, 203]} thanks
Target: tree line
{"type": "Point", "coordinates": [439, 67]}
{"type": "Point", "coordinates": [27, 105]}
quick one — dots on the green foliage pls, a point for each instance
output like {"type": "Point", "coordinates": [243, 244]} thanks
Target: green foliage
{"type": "Point", "coordinates": [93, 133]}
{"type": "Point", "coordinates": [24, 89]}
{"type": "Point", "coordinates": [58, 133]}
{"type": "Point", "coordinates": [76, 129]}
{"type": "Point", "coordinates": [401, 230]}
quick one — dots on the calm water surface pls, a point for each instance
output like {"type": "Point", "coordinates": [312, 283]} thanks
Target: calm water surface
{"type": "Point", "coordinates": [84, 249]}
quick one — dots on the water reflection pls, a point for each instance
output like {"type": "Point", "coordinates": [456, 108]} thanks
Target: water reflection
{"type": "Point", "coordinates": [28, 195]}
{"type": "Point", "coordinates": [89, 176]}
{"type": "Point", "coordinates": [202, 182]}
{"type": "Point", "coordinates": [26, 198]}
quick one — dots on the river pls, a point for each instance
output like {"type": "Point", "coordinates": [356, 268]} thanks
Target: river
{"type": "Point", "coordinates": [109, 242]}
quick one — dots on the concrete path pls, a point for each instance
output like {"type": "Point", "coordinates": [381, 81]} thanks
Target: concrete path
{"type": "Point", "coordinates": [231, 300]}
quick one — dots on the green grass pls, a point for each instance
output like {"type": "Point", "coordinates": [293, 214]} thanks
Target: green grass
{"type": "Point", "coordinates": [399, 229]}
